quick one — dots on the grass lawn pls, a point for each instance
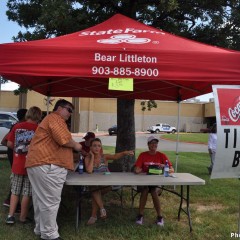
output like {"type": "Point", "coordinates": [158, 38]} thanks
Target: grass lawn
{"type": "Point", "coordinates": [188, 137]}
{"type": "Point", "coordinates": [214, 210]}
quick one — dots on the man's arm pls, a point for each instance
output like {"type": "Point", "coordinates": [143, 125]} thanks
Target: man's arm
{"type": "Point", "coordinates": [171, 170]}
{"type": "Point", "coordinates": [10, 144]}
{"type": "Point", "coordinates": [4, 140]}
{"type": "Point", "coordinates": [72, 144]}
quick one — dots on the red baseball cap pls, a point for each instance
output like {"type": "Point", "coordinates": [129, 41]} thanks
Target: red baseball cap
{"type": "Point", "coordinates": [89, 135]}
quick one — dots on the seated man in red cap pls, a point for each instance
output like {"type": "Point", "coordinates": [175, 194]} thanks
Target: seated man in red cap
{"type": "Point", "coordinates": [150, 156]}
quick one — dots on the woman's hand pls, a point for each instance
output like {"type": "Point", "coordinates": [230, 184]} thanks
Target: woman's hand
{"type": "Point", "coordinates": [89, 161]}
{"type": "Point", "coordinates": [91, 155]}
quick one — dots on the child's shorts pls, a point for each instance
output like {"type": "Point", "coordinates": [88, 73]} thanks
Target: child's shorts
{"type": "Point", "coordinates": [20, 185]}
{"type": "Point", "coordinates": [150, 188]}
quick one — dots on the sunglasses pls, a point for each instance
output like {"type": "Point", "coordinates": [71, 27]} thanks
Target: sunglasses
{"type": "Point", "coordinates": [68, 109]}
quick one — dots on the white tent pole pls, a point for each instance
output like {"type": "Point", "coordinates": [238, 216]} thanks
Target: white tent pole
{"type": "Point", "coordinates": [177, 142]}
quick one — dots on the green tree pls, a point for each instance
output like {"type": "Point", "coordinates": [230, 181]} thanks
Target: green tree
{"type": "Point", "coordinates": [214, 22]}
{"type": "Point", "coordinates": [150, 104]}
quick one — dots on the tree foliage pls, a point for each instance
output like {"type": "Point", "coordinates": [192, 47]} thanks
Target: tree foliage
{"type": "Point", "coordinates": [148, 104]}
{"type": "Point", "coordinates": [20, 90]}
{"type": "Point", "coordinates": [213, 22]}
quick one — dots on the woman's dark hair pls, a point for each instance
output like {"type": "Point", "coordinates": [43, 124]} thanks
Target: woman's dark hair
{"type": "Point", "coordinates": [62, 103]}
{"type": "Point", "coordinates": [95, 140]}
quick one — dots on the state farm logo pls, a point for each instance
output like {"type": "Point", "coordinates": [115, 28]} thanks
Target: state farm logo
{"type": "Point", "coordinates": [234, 113]}
{"type": "Point", "coordinates": [124, 38]}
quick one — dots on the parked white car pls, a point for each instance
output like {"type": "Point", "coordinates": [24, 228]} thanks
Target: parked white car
{"type": "Point", "coordinates": [162, 127]}
{"type": "Point", "coordinates": [7, 119]}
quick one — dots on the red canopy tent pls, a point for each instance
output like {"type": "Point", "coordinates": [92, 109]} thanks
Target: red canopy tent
{"type": "Point", "coordinates": [163, 66]}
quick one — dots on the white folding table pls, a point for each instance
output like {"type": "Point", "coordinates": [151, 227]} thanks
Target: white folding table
{"type": "Point", "coordinates": [131, 179]}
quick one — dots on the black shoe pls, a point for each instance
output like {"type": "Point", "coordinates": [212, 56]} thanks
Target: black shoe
{"type": "Point", "coordinates": [209, 170]}
{"type": "Point", "coordinates": [139, 220]}
{"type": "Point", "coordinates": [10, 220]}
{"type": "Point", "coordinates": [160, 221]}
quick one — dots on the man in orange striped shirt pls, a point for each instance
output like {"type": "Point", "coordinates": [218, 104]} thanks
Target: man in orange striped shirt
{"type": "Point", "coordinates": [49, 157]}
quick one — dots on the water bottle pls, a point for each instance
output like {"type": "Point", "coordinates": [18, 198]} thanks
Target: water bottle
{"type": "Point", "coordinates": [166, 169]}
{"type": "Point", "coordinates": [80, 166]}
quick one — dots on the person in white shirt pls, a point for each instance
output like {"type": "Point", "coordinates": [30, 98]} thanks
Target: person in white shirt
{"type": "Point", "coordinates": [212, 146]}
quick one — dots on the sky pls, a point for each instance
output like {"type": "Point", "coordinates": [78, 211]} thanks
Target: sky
{"type": "Point", "coordinates": [8, 29]}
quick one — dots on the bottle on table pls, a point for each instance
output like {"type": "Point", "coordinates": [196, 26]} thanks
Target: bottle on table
{"type": "Point", "coordinates": [166, 169]}
{"type": "Point", "coordinates": [80, 166]}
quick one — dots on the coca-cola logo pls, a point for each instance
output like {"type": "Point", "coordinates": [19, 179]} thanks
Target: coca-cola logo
{"type": "Point", "coordinates": [234, 113]}
{"type": "Point", "coordinates": [224, 119]}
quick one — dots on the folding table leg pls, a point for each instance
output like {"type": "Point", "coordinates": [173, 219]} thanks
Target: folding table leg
{"type": "Point", "coordinates": [187, 199]}
{"type": "Point", "coordinates": [188, 209]}
{"type": "Point", "coordinates": [181, 202]}
{"type": "Point", "coordinates": [78, 207]}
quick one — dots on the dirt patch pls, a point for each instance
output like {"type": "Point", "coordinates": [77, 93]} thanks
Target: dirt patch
{"type": "Point", "coordinates": [203, 208]}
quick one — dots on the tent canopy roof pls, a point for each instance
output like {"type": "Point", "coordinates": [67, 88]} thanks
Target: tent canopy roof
{"type": "Point", "coordinates": [163, 66]}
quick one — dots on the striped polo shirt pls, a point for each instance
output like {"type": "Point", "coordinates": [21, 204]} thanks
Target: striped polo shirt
{"type": "Point", "coordinates": [47, 144]}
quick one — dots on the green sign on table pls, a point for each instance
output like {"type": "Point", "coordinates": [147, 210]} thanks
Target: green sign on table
{"type": "Point", "coordinates": [120, 84]}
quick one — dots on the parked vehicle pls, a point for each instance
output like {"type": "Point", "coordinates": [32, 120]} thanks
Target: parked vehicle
{"type": "Point", "coordinates": [7, 119]}
{"type": "Point", "coordinates": [112, 130]}
{"type": "Point", "coordinates": [162, 127]}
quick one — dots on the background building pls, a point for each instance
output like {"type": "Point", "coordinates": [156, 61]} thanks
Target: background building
{"type": "Point", "coordinates": [101, 113]}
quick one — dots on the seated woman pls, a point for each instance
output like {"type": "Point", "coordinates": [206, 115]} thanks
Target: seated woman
{"type": "Point", "coordinates": [96, 161]}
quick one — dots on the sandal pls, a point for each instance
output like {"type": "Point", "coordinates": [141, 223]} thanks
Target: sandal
{"type": "Point", "coordinates": [103, 213]}
{"type": "Point", "coordinates": [91, 220]}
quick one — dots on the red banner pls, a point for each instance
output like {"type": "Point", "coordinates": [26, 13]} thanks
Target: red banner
{"type": "Point", "coordinates": [229, 104]}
